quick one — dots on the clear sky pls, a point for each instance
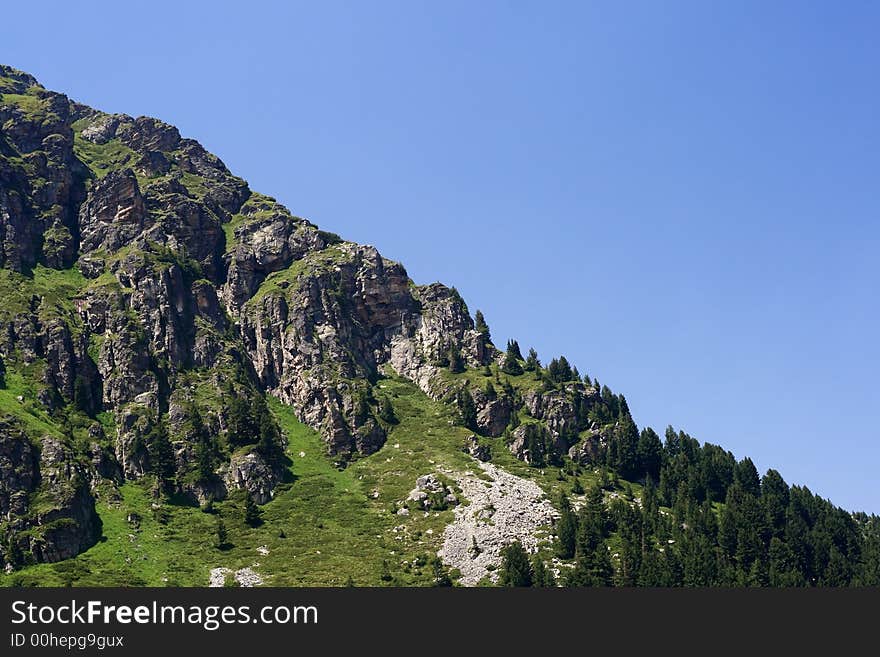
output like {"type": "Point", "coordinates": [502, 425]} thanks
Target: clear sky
{"type": "Point", "coordinates": [681, 197]}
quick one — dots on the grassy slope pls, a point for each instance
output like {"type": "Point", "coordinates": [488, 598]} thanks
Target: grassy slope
{"type": "Point", "coordinates": [334, 528]}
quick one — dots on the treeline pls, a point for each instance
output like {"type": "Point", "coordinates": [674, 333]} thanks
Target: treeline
{"type": "Point", "coordinates": [772, 535]}
{"type": "Point", "coordinates": [711, 521]}
{"type": "Point", "coordinates": [704, 518]}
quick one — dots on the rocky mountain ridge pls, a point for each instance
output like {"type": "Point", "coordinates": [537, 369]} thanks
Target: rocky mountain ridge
{"type": "Point", "coordinates": [171, 339]}
{"type": "Point", "coordinates": [186, 295]}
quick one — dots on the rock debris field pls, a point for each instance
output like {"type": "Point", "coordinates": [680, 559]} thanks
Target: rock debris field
{"type": "Point", "coordinates": [503, 510]}
{"type": "Point", "coordinates": [245, 577]}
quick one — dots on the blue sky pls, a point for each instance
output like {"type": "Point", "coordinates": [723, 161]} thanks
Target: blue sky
{"type": "Point", "coordinates": [681, 197]}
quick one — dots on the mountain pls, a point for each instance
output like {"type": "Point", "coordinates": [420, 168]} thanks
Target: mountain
{"type": "Point", "coordinates": [199, 386]}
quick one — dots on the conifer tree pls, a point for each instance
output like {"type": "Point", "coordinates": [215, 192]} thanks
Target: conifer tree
{"type": "Point", "coordinates": [161, 456]}
{"type": "Point", "coordinates": [532, 362]}
{"type": "Point", "coordinates": [268, 443]}
{"type": "Point", "coordinates": [650, 453]}
{"type": "Point", "coordinates": [386, 411]}
{"type": "Point", "coordinates": [252, 513]}
{"type": "Point", "coordinates": [516, 570]}
{"type": "Point", "coordinates": [467, 410]}
{"type": "Point", "coordinates": [482, 327]}
{"type": "Point", "coordinates": [541, 574]}
{"type": "Point", "coordinates": [490, 391]}
{"type": "Point", "coordinates": [566, 530]}
{"type": "Point", "coordinates": [221, 535]}
{"type": "Point", "coordinates": [511, 359]}
{"type": "Point", "coordinates": [240, 430]}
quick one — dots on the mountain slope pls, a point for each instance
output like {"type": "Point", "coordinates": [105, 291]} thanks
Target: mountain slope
{"type": "Point", "coordinates": [179, 351]}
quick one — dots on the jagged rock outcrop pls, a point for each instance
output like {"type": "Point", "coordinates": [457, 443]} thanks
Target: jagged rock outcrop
{"type": "Point", "coordinates": [45, 500]}
{"type": "Point", "coordinates": [588, 450]}
{"type": "Point", "coordinates": [113, 213]}
{"type": "Point", "coordinates": [19, 470]}
{"type": "Point", "coordinates": [477, 450]}
{"type": "Point", "coordinates": [64, 519]}
{"type": "Point", "coordinates": [493, 412]}
{"type": "Point", "coordinates": [149, 271]}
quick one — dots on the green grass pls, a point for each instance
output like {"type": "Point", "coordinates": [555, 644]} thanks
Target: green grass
{"type": "Point", "coordinates": [325, 525]}
{"type": "Point", "coordinates": [194, 184]}
{"type": "Point", "coordinates": [334, 529]}
{"type": "Point", "coordinates": [314, 262]}
{"type": "Point", "coordinates": [58, 283]}
{"type": "Point", "coordinates": [229, 229]}
{"type": "Point", "coordinates": [7, 85]}
{"type": "Point", "coordinates": [28, 410]}
{"type": "Point", "coordinates": [101, 159]}
{"type": "Point", "coordinates": [32, 104]}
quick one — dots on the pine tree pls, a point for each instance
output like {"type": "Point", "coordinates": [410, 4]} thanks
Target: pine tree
{"type": "Point", "coordinates": [490, 391]}
{"type": "Point", "coordinates": [624, 443]}
{"type": "Point", "coordinates": [441, 574]}
{"type": "Point", "coordinates": [577, 488]}
{"type": "Point", "coordinates": [221, 536]}
{"type": "Point", "coordinates": [240, 426]}
{"type": "Point", "coordinates": [516, 570]}
{"type": "Point", "coordinates": [542, 575]}
{"type": "Point", "coordinates": [535, 445]}
{"type": "Point", "coordinates": [746, 475]}
{"type": "Point", "coordinates": [532, 362]}
{"type": "Point", "coordinates": [268, 443]}
{"type": "Point", "coordinates": [252, 513]}
{"type": "Point", "coordinates": [204, 461]}
{"type": "Point", "coordinates": [482, 327]}
{"type": "Point", "coordinates": [161, 456]}
{"type": "Point", "coordinates": [362, 406]}
{"type": "Point", "coordinates": [650, 453]}
{"type": "Point", "coordinates": [565, 372]}
{"type": "Point", "coordinates": [386, 411]}
{"type": "Point", "coordinates": [566, 530]}
{"type": "Point", "coordinates": [511, 364]}
{"type": "Point", "coordinates": [467, 409]}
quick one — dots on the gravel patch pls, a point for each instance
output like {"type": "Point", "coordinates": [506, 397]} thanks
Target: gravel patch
{"type": "Point", "coordinates": [503, 510]}
{"type": "Point", "coordinates": [245, 577]}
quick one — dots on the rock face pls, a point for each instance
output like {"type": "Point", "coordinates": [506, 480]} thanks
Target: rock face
{"type": "Point", "coordinates": [147, 286]}
{"type": "Point", "coordinates": [45, 501]}
{"type": "Point", "coordinates": [155, 287]}
{"type": "Point", "coordinates": [113, 213]}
